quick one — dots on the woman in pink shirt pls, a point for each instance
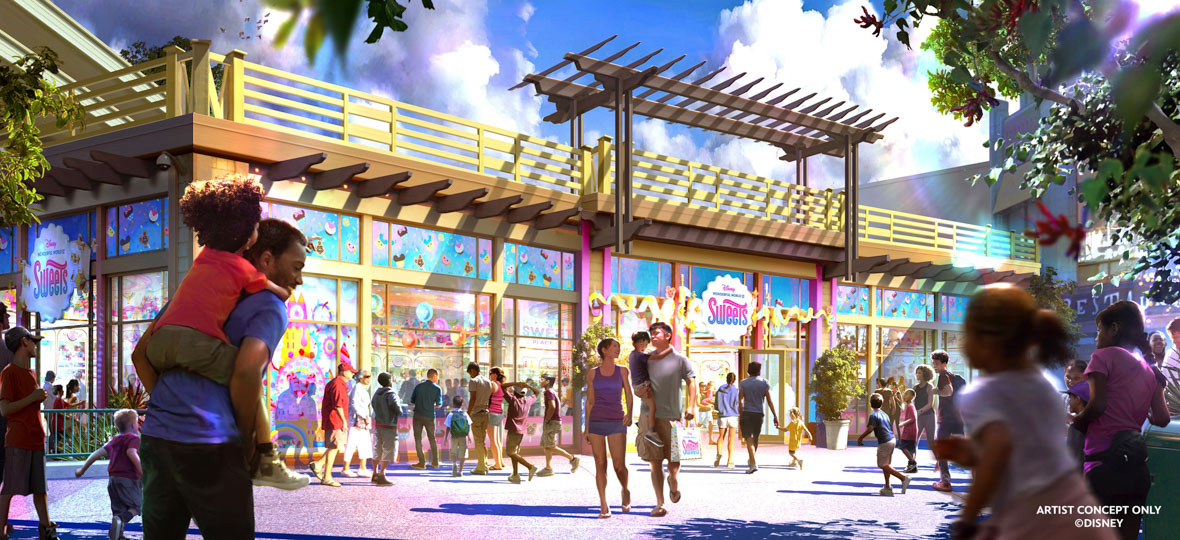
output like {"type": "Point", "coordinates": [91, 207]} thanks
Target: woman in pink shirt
{"type": "Point", "coordinates": [1124, 391]}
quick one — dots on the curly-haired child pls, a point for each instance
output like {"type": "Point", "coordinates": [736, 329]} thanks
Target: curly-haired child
{"type": "Point", "coordinates": [188, 335]}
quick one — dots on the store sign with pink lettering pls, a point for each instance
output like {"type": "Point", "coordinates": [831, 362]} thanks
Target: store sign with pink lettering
{"type": "Point", "coordinates": [56, 268]}
{"type": "Point", "coordinates": [728, 308]}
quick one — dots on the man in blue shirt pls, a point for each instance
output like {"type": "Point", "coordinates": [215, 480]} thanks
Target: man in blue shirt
{"type": "Point", "coordinates": [427, 395]}
{"type": "Point", "coordinates": [751, 392]}
{"type": "Point", "coordinates": [194, 461]}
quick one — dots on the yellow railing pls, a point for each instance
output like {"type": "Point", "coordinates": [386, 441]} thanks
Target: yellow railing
{"type": "Point", "coordinates": [676, 181]}
{"type": "Point", "coordinates": [902, 229]}
{"type": "Point", "coordinates": [183, 83]}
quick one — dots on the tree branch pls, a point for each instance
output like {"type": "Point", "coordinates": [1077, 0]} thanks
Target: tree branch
{"type": "Point", "coordinates": [1169, 127]}
{"type": "Point", "coordinates": [1024, 81]}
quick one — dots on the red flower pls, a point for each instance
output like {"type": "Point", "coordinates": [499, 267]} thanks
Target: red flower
{"type": "Point", "coordinates": [869, 21]}
{"type": "Point", "coordinates": [1054, 228]}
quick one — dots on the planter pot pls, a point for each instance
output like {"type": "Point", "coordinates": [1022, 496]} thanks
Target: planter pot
{"type": "Point", "coordinates": [836, 432]}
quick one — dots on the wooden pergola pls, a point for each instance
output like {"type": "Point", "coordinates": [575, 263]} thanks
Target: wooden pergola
{"type": "Point", "coordinates": [804, 126]}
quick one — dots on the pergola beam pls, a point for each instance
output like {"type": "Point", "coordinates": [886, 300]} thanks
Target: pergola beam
{"type": "Point", "coordinates": [294, 167]}
{"type": "Point", "coordinates": [555, 219]}
{"type": "Point", "coordinates": [606, 237]}
{"type": "Point", "coordinates": [422, 192]}
{"type": "Point", "coordinates": [496, 207]}
{"type": "Point", "coordinates": [382, 185]}
{"type": "Point", "coordinates": [126, 166]}
{"type": "Point", "coordinates": [525, 213]}
{"type": "Point", "coordinates": [99, 172]}
{"type": "Point", "coordinates": [71, 179]}
{"type": "Point", "coordinates": [459, 201]}
{"type": "Point", "coordinates": [334, 178]}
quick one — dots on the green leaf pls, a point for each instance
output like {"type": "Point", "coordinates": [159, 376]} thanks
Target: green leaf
{"type": "Point", "coordinates": [1094, 191]}
{"type": "Point", "coordinates": [1097, 290]}
{"type": "Point", "coordinates": [904, 38]}
{"type": "Point", "coordinates": [284, 32]}
{"type": "Point", "coordinates": [1080, 46]}
{"type": "Point", "coordinates": [1035, 28]}
{"type": "Point", "coordinates": [961, 75]}
{"type": "Point", "coordinates": [289, 5]}
{"type": "Point", "coordinates": [1134, 90]}
{"type": "Point", "coordinates": [313, 38]}
{"type": "Point", "coordinates": [889, 6]}
{"type": "Point", "coordinates": [1099, 276]}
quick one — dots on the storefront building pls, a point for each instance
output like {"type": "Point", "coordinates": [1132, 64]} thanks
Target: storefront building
{"type": "Point", "coordinates": [436, 242]}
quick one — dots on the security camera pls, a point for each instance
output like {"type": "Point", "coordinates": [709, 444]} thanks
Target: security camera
{"type": "Point", "coordinates": [164, 161]}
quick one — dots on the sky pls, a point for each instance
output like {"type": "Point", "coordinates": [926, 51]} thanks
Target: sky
{"type": "Point", "coordinates": [462, 58]}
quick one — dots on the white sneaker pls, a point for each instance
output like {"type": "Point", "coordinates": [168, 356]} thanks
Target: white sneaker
{"type": "Point", "coordinates": [753, 469]}
{"type": "Point", "coordinates": [905, 483]}
{"type": "Point", "coordinates": [800, 463]}
{"type": "Point", "coordinates": [272, 472]}
{"type": "Point", "coordinates": [116, 532]}
{"type": "Point", "coordinates": [886, 492]}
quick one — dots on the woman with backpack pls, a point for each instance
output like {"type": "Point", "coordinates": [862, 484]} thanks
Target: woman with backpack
{"type": "Point", "coordinates": [606, 424]}
{"type": "Point", "coordinates": [1124, 391]}
{"type": "Point", "coordinates": [1018, 459]}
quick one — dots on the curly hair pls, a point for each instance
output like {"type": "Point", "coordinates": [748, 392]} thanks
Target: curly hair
{"type": "Point", "coordinates": [223, 212]}
{"type": "Point", "coordinates": [925, 373]}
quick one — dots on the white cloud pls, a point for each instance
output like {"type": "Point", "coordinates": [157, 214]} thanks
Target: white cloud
{"type": "Point", "coordinates": [527, 9]}
{"type": "Point", "coordinates": [830, 55]}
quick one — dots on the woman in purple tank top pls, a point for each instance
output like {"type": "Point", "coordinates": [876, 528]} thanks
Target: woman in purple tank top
{"type": "Point", "coordinates": [606, 425]}
{"type": "Point", "coordinates": [496, 419]}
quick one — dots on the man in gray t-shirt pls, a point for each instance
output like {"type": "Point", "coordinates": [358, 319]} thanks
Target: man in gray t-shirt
{"type": "Point", "coordinates": [480, 388]}
{"type": "Point", "coordinates": [752, 391]}
{"type": "Point", "coordinates": [668, 371]}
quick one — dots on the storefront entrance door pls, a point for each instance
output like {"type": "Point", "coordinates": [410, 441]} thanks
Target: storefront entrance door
{"type": "Point", "coordinates": [778, 370]}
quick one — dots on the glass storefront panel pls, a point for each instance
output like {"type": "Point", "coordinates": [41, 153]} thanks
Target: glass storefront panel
{"type": "Point", "coordinates": [893, 304]}
{"type": "Point", "coordinates": [639, 277]}
{"type": "Point", "coordinates": [137, 227]}
{"type": "Point", "coordinates": [856, 338]}
{"type": "Point", "coordinates": [135, 300]}
{"type": "Point", "coordinates": [852, 300]}
{"type": "Point", "coordinates": [899, 351]}
{"type": "Point", "coordinates": [534, 345]}
{"type": "Point", "coordinates": [952, 343]}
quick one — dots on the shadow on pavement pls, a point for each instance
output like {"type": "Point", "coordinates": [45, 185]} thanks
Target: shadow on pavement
{"type": "Point", "coordinates": [576, 512]}
{"type": "Point", "coordinates": [736, 528]}
{"type": "Point", "coordinates": [93, 531]}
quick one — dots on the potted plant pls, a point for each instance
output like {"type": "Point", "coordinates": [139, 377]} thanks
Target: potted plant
{"type": "Point", "coordinates": [834, 383]}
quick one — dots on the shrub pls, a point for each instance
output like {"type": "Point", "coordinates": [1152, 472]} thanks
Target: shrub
{"type": "Point", "coordinates": [834, 382]}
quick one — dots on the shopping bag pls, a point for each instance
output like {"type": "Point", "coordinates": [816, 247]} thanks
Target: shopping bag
{"type": "Point", "coordinates": [686, 442]}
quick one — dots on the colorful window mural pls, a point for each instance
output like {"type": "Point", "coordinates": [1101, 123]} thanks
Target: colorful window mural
{"type": "Point", "coordinates": [65, 348]}
{"type": "Point", "coordinates": [640, 278]}
{"type": "Point", "coordinates": [529, 265]}
{"type": "Point", "coordinates": [893, 304]}
{"type": "Point", "coordinates": [428, 250]}
{"type": "Point", "coordinates": [855, 337]}
{"type": "Point", "coordinates": [321, 333]}
{"type": "Point", "coordinates": [137, 227]}
{"type": "Point", "coordinates": [8, 256]}
{"type": "Point", "coordinates": [76, 227]}
{"type": "Point", "coordinates": [779, 291]}
{"type": "Point", "coordinates": [698, 278]}
{"type": "Point", "coordinates": [953, 309]}
{"type": "Point", "coordinates": [134, 301]}
{"type": "Point", "coordinates": [414, 330]}
{"type": "Point", "coordinates": [952, 343]}
{"type": "Point", "coordinates": [330, 236]}
{"type": "Point", "coordinates": [852, 300]}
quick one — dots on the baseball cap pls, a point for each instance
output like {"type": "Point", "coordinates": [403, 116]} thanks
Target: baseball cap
{"type": "Point", "coordinates": [15, 334]}
{"type": "Point", "coordinates": [549, 378]}
{"type": "Point", "coordinates": [345, 366]}
{"type": "Point", "coordinates": [1081, 390]}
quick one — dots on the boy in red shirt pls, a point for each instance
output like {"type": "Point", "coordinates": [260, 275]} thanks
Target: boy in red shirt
{"type": "Point", "coordinates": [24, 452]}
{"type": "Point", "coordinates": [124, 470]}
{"type": "Point", "coordinates": [517, 408]}
{"type": "Point", "coordinates": [188, 335]}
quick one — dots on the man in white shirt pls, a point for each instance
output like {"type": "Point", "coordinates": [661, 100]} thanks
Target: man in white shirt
{"type": "Point", "coordinates": [50, 377]}
{"type": "Point", "coordinates": [1172, 359]}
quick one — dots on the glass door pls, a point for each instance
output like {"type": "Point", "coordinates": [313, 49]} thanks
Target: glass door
{"type": "Point", "coordinates": [780, 373]}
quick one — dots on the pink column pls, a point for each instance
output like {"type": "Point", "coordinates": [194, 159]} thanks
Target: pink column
{"type": "Point", "coordinates": [583, 285]}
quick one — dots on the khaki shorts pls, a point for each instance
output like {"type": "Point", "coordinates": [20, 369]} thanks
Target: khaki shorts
{"type": "Point", "coordinates": [512, 443]}
{"type": "Point", "coordinates": [549, 434]}
{"type": "Point", "coordinates": [386, 445]}
{"type": "Point", "coordinates": [173, 347]}
{"type": "Point", "coordinates": [885, 453]}
{"type": "Point", "coordinates": [646, 450]}
{"type": "Point", "coordinates": [335, 439]}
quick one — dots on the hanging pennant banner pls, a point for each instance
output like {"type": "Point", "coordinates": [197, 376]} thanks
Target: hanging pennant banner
{"type": "Point", "coordinates": [729, 306]}
{"type": "Point", "coordinates": [55, 269]}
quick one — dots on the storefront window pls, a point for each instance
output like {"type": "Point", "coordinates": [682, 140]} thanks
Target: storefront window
{"type": "Point", "coordinates": [428, 250]}
{"type": "Point", "coordinates": [893, 304]}
{"type": "Point", "coordinates": [852, 300]}
{"type": "Point", "coordinates": [418, 329]}
{"type": "Point", "coordinates": [8, 258]}
{"type": "Point", "coordinates": [953, 309]}
{"type": "Point", "coordinates": [536, 343]}
{"type": "Point", "coordinates": [952, 343]}
{"type": "Point", "coordinates": [779, 291]}
{"type": "Point", "coordinates": [321, 333]}
{"type": "Point", "coordinates": [899, 351]}
{"type": "Point", "coordinates": [640, 278]}
{"type": "Point", "coordinates": [528, 265]}
{"type": "Point", "coordinates": [330, 236]}
{"type": "Point", "coordinates": [855, 337]}
{"type": "Point", "coordinates": [75, 227]}
{"type": "Point", "coordinates": [135, 300]}
{"type": "Point", "coordinates": [137, 227]}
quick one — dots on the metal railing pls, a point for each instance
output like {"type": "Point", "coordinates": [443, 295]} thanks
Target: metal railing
{"type": "Point", "coordinates": [254, 94]}
{"type": "Point", "coordinates": [73, 434]}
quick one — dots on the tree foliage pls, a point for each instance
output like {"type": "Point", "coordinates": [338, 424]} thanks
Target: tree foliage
{"type": "Point", "coordinates": [26, 97]}
{"type": "Point", "coordinates": [585, 357]}
{"type": "Point", "coordinates": [140, 53]}
{"type": "Point", "coordinates": [834, 382]}
{"type": "Point", "coordinates": [335, 19]}
{"type": "Point", "coordinates": [1114, 113]}
{"type": "Point", "coordinates": [1050, 293]}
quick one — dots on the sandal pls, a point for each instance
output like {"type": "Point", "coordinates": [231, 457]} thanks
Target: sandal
{"type": "Point", "coordinates": [674, 496]}
{"type": "Point", "coordinates": [330, 483]}
{"type": "Point", "coordinates": [658, 511]}
{"type": "Point", "coordinates": [604, 515]}
{"type": "Point", "coordinates": [626, 501]}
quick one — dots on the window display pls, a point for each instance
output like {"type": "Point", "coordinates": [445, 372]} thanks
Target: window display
{"type": "Point", "coordinates": [137, 227]}
{"type": "Point", "coordinates": [428, 250]}
{"type": "Point", "coordinates": [852, 300]}
{"type": "Point", "coordinates": [329, 235]}
{"type": "Point", "coordinates": [953, 309]}
{"type": "Point", "coordinates": [640, 278]}
{"type": "Point", "coordinates": [8, 257]}
{"type": "Point", "coordinates": [134, 302]}
{"type": "Point", "coordinates": [893, 304]}
{"type": "Point", "coordinates": [541, 267]}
